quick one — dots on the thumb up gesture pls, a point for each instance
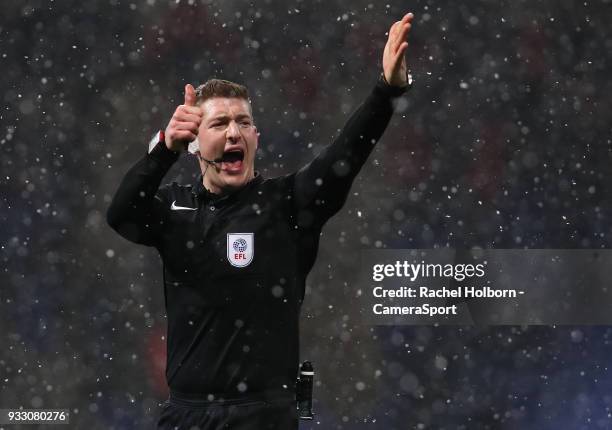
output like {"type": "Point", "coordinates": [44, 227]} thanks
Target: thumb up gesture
{"type": "Point", "coordinates": [185, 122]}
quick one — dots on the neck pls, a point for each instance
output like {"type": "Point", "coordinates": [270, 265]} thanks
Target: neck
{"type": "Point", "coordinates": [212, 188]}
{"type": "Point", "coordinates": [220, 191]}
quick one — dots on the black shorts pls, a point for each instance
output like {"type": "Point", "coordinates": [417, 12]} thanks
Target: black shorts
{"type": "Point", "coordinates": [256, 412]}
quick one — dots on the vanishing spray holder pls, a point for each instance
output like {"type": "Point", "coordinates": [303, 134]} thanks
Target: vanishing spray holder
{"type": "Point", "coordinates": [304, 391]}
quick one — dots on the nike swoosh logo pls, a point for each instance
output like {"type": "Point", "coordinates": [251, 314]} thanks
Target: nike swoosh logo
{"type": "Point", "coordinates": [174, 207]}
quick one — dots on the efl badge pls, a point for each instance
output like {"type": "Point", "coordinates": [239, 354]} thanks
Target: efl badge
{"type": "Point", "coordinates": [240, 249]}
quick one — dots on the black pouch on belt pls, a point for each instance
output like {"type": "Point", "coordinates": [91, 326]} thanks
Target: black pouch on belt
{"type": "Point", "coordinates": [304, 391]}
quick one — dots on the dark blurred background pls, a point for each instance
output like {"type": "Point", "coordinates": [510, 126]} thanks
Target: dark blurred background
{"type": "Point", "coordinates": [504, 142]}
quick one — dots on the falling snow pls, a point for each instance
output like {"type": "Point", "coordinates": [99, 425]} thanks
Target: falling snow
{"type": "Point", "coordinates": [504, 142]}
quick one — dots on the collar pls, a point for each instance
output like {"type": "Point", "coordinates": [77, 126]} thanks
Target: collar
{"type": "Point", "coordinates": [200, 190]}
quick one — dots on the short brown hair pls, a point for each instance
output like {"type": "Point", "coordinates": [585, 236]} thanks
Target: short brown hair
{"type": "Point", "coordinates": [221, 88]}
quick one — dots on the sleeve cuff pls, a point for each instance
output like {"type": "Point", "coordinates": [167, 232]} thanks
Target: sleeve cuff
{"type": "Point", "coordinates": [391, 91]}
{"type": "Point", "coordinates": [161, 153]}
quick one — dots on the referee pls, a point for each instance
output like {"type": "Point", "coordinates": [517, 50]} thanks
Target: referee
{"type": "Point", "coordinates": [237, 247]}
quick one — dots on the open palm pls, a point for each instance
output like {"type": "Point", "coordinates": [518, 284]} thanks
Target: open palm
{"type": "Point", "coordinates": [394, 60]}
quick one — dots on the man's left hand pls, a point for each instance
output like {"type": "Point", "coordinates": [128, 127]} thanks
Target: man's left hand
{"type": "Point", "coordinates": [394, 60]}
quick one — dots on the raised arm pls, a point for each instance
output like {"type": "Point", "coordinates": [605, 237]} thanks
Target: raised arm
{"type": "Point", "coordinates": [321, 187]}
{"type": "Point", "coordinates": [137, 209]}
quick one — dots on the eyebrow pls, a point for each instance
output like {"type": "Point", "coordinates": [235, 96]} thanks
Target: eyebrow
{"type": "Point", "coordinates": [225, 117]}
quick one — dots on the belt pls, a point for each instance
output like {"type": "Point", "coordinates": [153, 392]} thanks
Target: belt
{"type": "Point", "coordinates": [211, 400]}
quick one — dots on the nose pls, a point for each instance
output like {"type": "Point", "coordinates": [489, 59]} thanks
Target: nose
{"type": "Point", "coordinates": [233, 132]}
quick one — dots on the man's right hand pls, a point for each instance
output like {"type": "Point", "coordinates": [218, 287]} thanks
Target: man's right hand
{"type": "Point", "coordinates": [185, 123]}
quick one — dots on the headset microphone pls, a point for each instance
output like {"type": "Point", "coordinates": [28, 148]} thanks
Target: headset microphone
{"type": "Point", "coordinates": [212, 162]}
{"type": "Point", "coordinates": [193, 147]}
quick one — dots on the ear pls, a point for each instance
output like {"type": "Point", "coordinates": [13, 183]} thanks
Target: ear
{"type": "Point", "coordinates": [257, 138]}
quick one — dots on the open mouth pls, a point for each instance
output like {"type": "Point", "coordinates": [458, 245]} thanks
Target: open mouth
{"type": "Point", "coordinates": [233, 155]}
{"type": "Point", "coordinates": [231, 161]}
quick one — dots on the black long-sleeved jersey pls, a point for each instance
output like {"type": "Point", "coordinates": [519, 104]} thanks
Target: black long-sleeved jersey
{"type": "Point", "coordinates": [235, 266]}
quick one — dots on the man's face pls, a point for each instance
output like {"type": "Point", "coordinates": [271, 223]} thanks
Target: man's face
{"type": "Point", "coordinates": [227, 132]}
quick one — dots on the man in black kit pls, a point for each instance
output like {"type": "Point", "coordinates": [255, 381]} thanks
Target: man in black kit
{"type": "Point", "coordinates": [236, 248]}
